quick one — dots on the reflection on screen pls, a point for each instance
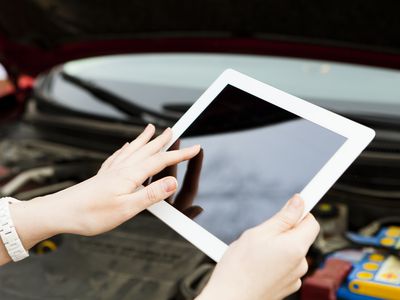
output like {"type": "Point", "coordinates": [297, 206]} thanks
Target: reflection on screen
{"type": "Point", "coordinates": [255, 157]}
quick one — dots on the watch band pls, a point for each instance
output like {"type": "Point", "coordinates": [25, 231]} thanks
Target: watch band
{"type": "Point", "coordinates": [8, 232]}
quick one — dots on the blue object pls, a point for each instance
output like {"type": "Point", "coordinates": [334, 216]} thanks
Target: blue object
{"type": "Point", "coordinates": [387, 237]}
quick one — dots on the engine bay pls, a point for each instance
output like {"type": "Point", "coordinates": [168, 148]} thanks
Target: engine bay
{"type": "Point", "coordinates": [52, 147]}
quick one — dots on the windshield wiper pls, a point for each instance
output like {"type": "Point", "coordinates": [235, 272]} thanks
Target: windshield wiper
{"type": "Point", "coordinates": [122, 104]}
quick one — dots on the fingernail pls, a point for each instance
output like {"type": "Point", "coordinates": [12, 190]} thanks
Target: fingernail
{"type": "Point", "coordinates": [148, 126]}
{"type": "Point", "coordinates": [169, 184]}
{"type": "Point", "coordinates": [295, 203]}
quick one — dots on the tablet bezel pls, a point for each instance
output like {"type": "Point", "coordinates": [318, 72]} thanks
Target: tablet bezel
{"type": "Point", "coordinates": [358, 137]}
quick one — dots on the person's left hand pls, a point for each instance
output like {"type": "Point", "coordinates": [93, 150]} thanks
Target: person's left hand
{"type": "Point", "coordinates": [268, 260]}
{"type": "Point", "coordinates": [114, 195]}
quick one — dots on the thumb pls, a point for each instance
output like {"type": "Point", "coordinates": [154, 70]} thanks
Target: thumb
{"type": "Point", "coordinates": [287, 217]}
{"type": "Point", "coordinates": [153, 193]}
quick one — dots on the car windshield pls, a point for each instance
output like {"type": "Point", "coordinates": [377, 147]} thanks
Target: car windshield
{"type": "Point", "coordinates": [170, 82]}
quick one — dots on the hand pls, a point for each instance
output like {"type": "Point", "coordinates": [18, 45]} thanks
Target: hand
{"type": "Point", "coordinates": [267, 261]}
{"type": "Point", "coordinates": [109, 198]}
{"type": "Point", "coordinates": [183, 201]}
{"type": "Point", "coordinates": [116, 193]}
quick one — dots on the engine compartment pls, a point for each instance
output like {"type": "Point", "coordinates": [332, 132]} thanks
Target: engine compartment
{"type": "Point", "coordinates": [51, 147]}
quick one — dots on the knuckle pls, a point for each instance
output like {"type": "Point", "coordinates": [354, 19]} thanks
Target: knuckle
{"type": "Point", "coordinates": [297, 285]}
{"type": "Point", "coordinates": [292, 288]}
{"type": "Point", "coordinates": [134, 181]}
{"type": "Point", "coordinates": [159, 156]}
{"type": "Point", "coordinates": [151, 194]}
{"type": "Point", "coordinates": [162, 139]}
{"type": "Point", "coordinates": [315, 223]}
{"type": "Point", "coordinates": [303, 268]}
{"type": "Point", "coordinates": [104, 164]}
{"type": "Point", "coordinates": [295, 253]}
{"type": "Point", "coordinates": [245, 242]}
{"type": "Point", "coordinates": [302, 251]}
{"type": "Point", "coordinates": [313, 219]}
{"type": "Point", "coordinates": [300, 248]}
{"type": "Point", "coordinates": [101, 169]}
{"type": "Point", "coordinates": [161, 159]}
{"type": "Point", "coordinates": [285, 220]}
{"type": "Point", "coordinates": [166, 161]}
{"type": "Point", "coordinates": [248, 235]}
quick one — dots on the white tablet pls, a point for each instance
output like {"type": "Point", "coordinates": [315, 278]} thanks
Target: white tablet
{"type": "Point", "coordinates": [260, 146]}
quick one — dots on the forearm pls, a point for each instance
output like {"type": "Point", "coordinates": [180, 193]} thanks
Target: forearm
{"type": "Point", "coordinates": [34, 220]}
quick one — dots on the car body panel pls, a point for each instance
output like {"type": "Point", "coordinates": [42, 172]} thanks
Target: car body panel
{"type": "Point", "coordinates": [36, 35]}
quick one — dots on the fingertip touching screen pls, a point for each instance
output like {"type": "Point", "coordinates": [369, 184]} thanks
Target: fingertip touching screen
{"type": "Point", "coordinates": [254, 157]}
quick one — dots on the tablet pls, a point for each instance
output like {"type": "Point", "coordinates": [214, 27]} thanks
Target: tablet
{"type": "Point", "coordinates": [260, 146]}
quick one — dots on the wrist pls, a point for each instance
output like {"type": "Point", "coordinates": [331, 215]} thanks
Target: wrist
{"type": "Point", "coordinates": [66, 210]}
{"type": "Point", "coordinates": [44, 217]}
{"type": "Point", "coordinates": [59, 214]}
{"type": "Point", "coordinates": [32, 222]}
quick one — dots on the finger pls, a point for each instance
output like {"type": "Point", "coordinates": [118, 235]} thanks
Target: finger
{"type": "Point", "coordinates": [193, 211]}
{"type": "Point", "coordinates": [153, 193]}
{"type": "Point", "coordinates": [172, 170]}
{"type": "Point", "coordinates": [190, 184]}
{"type": "Point", "coordinates": [157, 163]}
{"type": "Point", "coordinates": [302, 268]}
{"type": "Point", "coordinates": [169, 171]}
{"type": "Point", "coordinates": [137, 143]}
{"type": "Point", "coordinates": [151, 148]}
{"type": "Point", "coordinates": [293, 287]}
{"type": "Point", "coordinates": [306, 231]}
{"type": "Point", "coordinates": [286, 218]}
{"type": "Point", "coordinates": [108, 162]}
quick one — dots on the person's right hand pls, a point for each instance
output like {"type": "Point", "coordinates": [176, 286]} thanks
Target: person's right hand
{"type": "Point", "coordinates": [111, 197]}
{"type": "Point", "coordinates": [267, 261]}
{"type": "Point", "coordinates": [183, 200]}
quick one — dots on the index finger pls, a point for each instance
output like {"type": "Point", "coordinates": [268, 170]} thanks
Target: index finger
{"type": "Point", "coordinates": [158, 162]}
{"type": "Point", "coordinates": [169, 171]}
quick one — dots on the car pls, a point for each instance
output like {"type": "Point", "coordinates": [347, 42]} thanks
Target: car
{"type": "Point", "coordinates": [86, 78]}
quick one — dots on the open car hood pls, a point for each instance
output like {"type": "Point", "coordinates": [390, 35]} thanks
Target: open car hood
{"type": "Point", "coordinates": [38, 34]}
